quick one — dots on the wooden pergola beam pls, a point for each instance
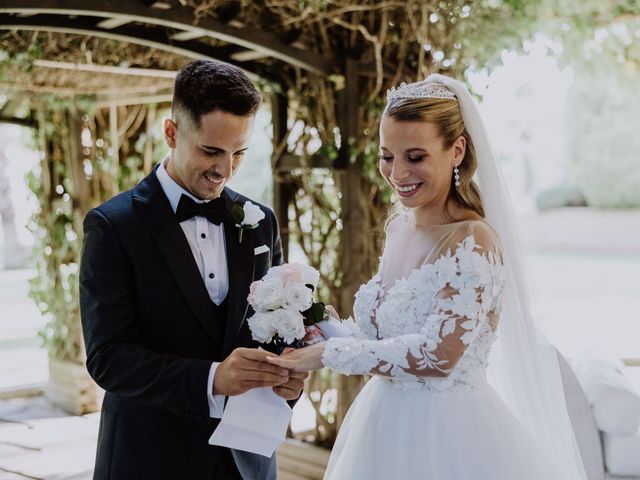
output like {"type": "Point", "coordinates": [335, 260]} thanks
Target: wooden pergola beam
{"type": "Point", "coordinates": [72, 91]}
{"type": "Point", "coordinates": [177, 18]}
{"type": "Point", "coordinates": [137, 100]}
{"type": "Point", "coordinates": [247, 55]}
{"type": "Point", "coordinates": [24, 122]}
{"type": "Point", "coordinates": [87, 67]}
{"type": "Point", "coordinates": [152, 37]}
{"type": "Point", "coordinates": [114, 22]}
{"type": "Point", "coordinates": [288, 162]}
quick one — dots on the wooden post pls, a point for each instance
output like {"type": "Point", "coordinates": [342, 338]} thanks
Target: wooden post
{"type": "Point", "coordinates": [81, 191]}
{"type": "Point", "coordinates": [70, 387]}
{"type": "Point", "coordinates": [115, 143]}
{"type": "Point", "coordinates": [282, 191]}
{"type": "Point", "coordinates": [353, 238]}
{"type": "Point", "coordinates": [44, 150]}
{"type": "Point", "coordinates": [148, 143]}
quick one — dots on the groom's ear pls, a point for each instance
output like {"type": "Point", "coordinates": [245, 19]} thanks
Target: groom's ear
{"type": "Point", "coordinates": [170, 128]}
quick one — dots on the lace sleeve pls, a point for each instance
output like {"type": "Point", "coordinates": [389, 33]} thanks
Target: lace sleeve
{"type": "Point", "coordinates": [469, 284]}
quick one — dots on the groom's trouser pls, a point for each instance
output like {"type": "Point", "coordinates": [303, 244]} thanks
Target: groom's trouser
{"type": "Point", "coordinates": [226, 468]}
{"type": "Point", "coordinates": [138, 442]}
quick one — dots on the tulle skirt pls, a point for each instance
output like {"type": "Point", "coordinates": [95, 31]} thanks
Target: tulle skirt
{"type": "Point", "coordinates": [459, 434]}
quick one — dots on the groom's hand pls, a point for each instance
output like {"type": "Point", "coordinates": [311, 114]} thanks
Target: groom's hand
{"type": "Point", "coordinates": [246, 368]}
{"type": "Point", "coordinates": [293, 388]}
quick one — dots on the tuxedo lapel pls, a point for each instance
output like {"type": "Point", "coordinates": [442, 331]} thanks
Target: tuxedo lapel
{"type": "Point", "coordinates": [157, 214]}
{"type": "Point", "coordinates": [240, 263]}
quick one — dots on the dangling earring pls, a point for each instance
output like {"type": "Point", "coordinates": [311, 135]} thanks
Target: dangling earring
{"type": "Point", "coordinates": [456, 175]}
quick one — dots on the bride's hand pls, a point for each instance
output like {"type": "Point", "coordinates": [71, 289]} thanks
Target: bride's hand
{"type": "Point", "coordinates": [332, 312]}
{"type": "Point", "coordinates": [300, 360]}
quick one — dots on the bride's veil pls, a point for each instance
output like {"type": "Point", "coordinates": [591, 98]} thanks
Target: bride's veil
{"type": "Point", "coordinates": [523, 366]}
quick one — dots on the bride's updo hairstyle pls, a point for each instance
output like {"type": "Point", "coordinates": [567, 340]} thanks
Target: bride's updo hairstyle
{"type": "Point", "coordinates": [434, 103]}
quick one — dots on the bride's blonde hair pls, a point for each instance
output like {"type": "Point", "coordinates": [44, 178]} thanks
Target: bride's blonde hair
{"type": "Point", "coordinates": [447, 117]}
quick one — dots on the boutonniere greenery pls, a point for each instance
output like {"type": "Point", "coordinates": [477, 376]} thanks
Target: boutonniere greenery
{"type": "Point", "coordinates": [246, 217]}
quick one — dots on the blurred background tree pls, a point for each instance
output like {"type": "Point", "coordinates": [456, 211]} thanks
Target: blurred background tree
{"type": "Point", "coordinates": [601, 41]}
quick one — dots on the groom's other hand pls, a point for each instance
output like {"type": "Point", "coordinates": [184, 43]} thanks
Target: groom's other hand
{"type": "Point", "coordinates": [293, 388]}
{"type": "Point", "coordinates": [246, 368]}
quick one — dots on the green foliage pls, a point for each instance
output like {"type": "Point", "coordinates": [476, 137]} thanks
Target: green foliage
{"type": "Point", "coordinates": [492, 26]}
{"type": "Point", "coordinates": [600, 39]}
{"type": "Point", "coordinates": [314, 314]}
{"type": "Point", "coordinates": [315, 218]}
{"type": "Point", "coordinates": [601, 43]}
{"type": "Point", "coordinates": [237, 213]}
{"type": "Point", "coordinates": [16, 63]}
{"type": "Point", "coordinates": [57, 225]}
{"type": "Point", "coordinates": [605, 144]}
{"type": "Point", "coordinates": [55, 286]}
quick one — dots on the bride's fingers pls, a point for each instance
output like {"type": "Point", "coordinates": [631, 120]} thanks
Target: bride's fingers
{"type": "Point", "coordinates": [332, 312]}
{"type": "Point", "coordinates": [281, 362]}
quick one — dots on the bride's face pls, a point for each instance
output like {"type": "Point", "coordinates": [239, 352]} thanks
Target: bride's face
{"type": "Point", "coordinates": [415, 163]}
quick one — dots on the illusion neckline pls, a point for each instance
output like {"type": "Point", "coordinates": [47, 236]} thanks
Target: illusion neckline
{"type": "Point", "coordinates": [412, 223]}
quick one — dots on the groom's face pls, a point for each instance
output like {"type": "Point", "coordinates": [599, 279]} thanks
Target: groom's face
{"type": "Point", "coordinates": [204, 157]}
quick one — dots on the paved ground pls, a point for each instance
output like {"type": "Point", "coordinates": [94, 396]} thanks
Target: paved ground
{"type": "Point", "coordinates": [40, 442]}
{"type": "Point", "coordinates": [23, 363]}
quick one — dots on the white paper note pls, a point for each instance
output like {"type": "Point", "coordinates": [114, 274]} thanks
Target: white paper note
{"type": "Point", "coordinates": [255, 421]}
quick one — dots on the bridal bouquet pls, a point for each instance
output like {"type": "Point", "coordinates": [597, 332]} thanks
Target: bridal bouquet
{"type": "Point", "coordinates": [284, 308]}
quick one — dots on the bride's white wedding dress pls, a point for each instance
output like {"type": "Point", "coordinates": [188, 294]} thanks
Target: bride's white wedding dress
{"type": "Point", "coordinates": [427, 322]}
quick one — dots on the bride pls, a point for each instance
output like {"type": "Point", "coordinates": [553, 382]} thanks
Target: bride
{"type": "Point", "coordinates": [463, 386]}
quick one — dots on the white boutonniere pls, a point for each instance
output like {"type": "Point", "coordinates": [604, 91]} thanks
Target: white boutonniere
{"type": "Point", "coordinates": [247, 217]}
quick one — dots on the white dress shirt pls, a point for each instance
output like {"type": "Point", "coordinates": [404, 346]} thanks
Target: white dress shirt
{"type": "Point", "coordinates": [207, 244]}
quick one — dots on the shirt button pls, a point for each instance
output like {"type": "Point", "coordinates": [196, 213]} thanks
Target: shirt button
{"type": "Point", "coordinates": [211, 275]}
{"type": "Point", "coordinates": [203, 235]}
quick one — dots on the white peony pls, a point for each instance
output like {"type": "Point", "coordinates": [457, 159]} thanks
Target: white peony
{"type": "Point", "coordinates": [252, 214]}
{"type": "Point", "coordinates": [274, 273]}
{"type": "Point", "coordinates": [262, 326]}
{"type": "Point", "coordinates": [287, 324]}
{"type": "Point", "coordinates": [295, 273]}
{"type": "Point", "coordinates": [290, 325]}
{"type": "Point", "coordinates": [278, 300]}
{"type": "Point", "coordinates": [310, 276]}
{"type": "Point", "coordinates": [298, 297]}
{"type": "Point", "coordinates": [268, 294]}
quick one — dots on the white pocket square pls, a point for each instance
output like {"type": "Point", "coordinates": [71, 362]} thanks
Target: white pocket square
{"type": "Point", "coordinates": [260, 249]}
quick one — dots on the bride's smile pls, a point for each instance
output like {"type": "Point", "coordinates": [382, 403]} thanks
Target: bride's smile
{"type": "Point", "coordinates": [406, 190]}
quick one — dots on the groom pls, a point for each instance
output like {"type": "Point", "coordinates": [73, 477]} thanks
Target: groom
{"type": "Point", "coordinates": [163, 285]}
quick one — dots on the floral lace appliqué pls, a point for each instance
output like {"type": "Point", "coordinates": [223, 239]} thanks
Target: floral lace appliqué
{"type": "Point", "coordinates": [438, 308]}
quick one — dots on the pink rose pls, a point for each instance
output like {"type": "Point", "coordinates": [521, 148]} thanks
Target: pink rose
{"type": "Point", "coordinates": [313, 335]}
{"type": "Point", "coordinates": [291, 273]}
{"type": "Point", "coordinates": [252, 291]}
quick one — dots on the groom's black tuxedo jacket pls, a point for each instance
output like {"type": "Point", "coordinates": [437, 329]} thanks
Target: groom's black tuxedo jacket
{"type": "Point", "coordinates": [151, 332]}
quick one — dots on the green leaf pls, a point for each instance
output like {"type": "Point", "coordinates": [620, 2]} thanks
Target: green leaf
{"type": "Point", "coordinates": [237, 213]}
{"type": "Point", "coordinates": [314, 315]}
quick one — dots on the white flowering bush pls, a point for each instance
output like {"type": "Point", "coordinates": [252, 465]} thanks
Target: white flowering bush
{"type": "Point", "coordinates": [605, 163]}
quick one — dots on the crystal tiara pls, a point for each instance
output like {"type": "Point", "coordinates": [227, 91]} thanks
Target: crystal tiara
{"type": "Point", "coordinates": [419, 90]}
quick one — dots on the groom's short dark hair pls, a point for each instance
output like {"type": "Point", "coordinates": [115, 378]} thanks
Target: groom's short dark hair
{"type": "Point", "coordinates": [204, 86]}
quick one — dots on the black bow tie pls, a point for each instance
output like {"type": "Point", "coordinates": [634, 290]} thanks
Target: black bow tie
{"type": "Point", "coordinates": [215, 211]}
